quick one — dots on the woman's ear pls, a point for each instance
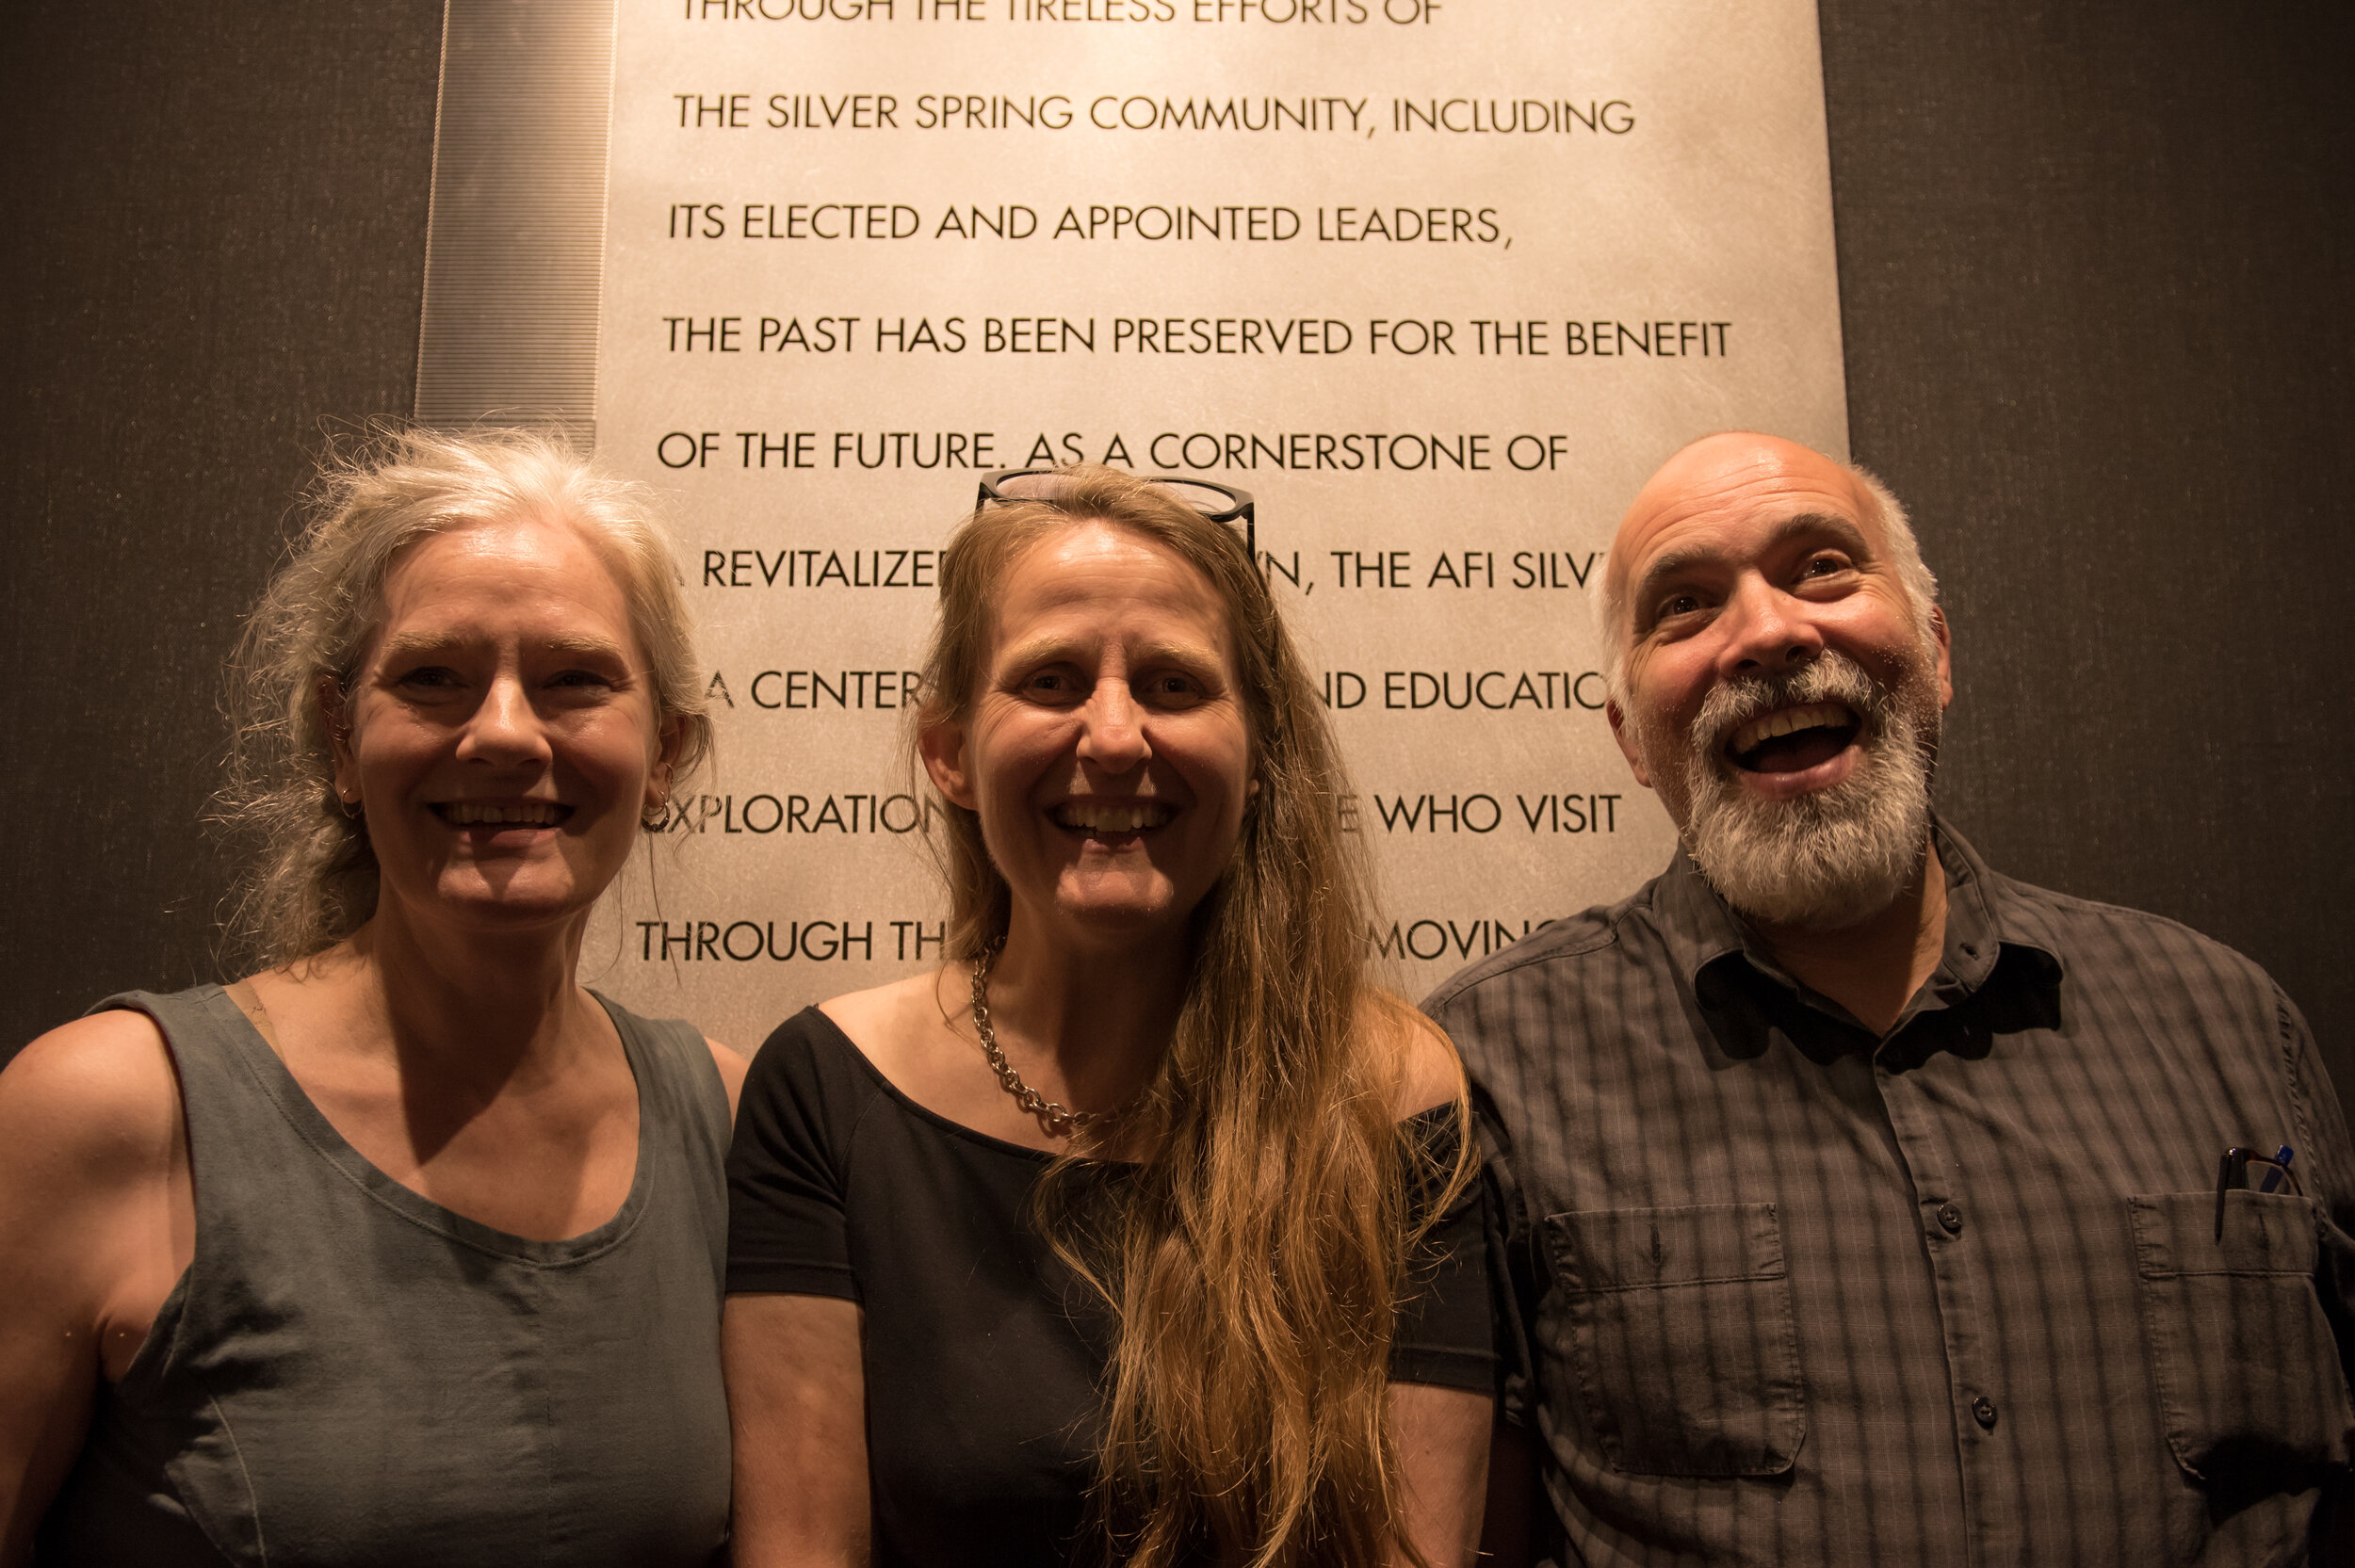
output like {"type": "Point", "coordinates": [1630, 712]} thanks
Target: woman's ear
{"type": "Point", "coordinates": [669, 739]}
{"type": "Point", "coordinates": [335, 719]}
{"type": "Point", "coordinates": [942, 747]}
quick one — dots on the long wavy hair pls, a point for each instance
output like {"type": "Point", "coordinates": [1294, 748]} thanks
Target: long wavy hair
{"type": "Point", "coordinates": [310, 878]}
{"type": "Point", "coordinates": [1256, 1259]}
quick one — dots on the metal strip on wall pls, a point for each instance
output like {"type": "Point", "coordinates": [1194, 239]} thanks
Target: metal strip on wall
{"type": "Point", "coordinates": [514, 250]}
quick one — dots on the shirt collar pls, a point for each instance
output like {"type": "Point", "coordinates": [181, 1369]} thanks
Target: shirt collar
{"type": "Point", "coordinates": [1705, 935]}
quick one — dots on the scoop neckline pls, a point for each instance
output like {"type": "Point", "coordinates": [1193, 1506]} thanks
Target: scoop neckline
{"type": "Point", "coordinates": [923, 1112]}
{"type": "Point", "coordinates": [1435, 1112]}
{"type": "Point", "coordinates": [311, 1124]}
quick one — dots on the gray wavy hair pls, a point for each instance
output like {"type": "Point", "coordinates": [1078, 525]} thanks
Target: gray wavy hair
{"type": "Point", "coordinates": [311, 879]}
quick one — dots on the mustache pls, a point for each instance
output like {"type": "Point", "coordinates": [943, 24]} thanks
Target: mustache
{"type": "Point", "coordinates": [1831, 676]}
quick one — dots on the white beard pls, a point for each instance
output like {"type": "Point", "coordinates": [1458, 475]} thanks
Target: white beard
{"type": "Point", "coordinates": [1832, 858]}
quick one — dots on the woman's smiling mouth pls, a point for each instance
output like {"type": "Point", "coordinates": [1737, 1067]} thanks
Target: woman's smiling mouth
{"type": "Point", "coordinates": [501, 813]}
{"type": "Point", "coordinates": [1109, 818]}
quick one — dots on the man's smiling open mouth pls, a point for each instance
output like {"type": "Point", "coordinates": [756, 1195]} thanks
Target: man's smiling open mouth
{"type": "Point", "coordinates": [1789, 741]}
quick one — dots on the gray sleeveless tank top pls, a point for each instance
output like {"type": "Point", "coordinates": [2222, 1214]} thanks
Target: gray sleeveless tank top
{"type": "Point", "coordinates": [349, 1374]}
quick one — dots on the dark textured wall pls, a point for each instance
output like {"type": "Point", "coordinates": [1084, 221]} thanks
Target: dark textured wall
{"type": "Point", "coordinates": [2094, 274]}
{"type": "Point", "coordinates": [2094, 277]}
{"type": "Point", "coordinates": [214, 255]}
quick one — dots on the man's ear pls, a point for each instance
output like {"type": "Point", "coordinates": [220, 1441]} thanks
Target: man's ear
{"type": "Point", "coordinates": [1612, 711]}
{"type": "Point", "coordinates": [942, 747]}
{"type": "Point", "coordinates": [1945, 656]}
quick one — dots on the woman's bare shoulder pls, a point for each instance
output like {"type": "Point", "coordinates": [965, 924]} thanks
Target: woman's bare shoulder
{"type": "Point", "coordinates": [95, 1100]}
{"type": "Point", "coordinates": [906, 1032]}
{"type": "Point", "coordinates": [887, 1016]}
{"type": "Point", "coordinates": [732, 1066]}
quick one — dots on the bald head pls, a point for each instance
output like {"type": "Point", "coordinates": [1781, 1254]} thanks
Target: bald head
{"type": "Point", "coordinates": [1778, 674]}
{"type": "Point", "coordinates": [1744, 478]}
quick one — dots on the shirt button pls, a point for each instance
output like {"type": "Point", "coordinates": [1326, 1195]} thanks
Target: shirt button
{"type": "Point", "coordinates": [1950, 1217]}
{"type": "Point", "coordinates": [1983, 1412]}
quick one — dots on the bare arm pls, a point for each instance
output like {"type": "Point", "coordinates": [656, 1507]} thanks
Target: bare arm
{"type": "Point", "coordinates": [732, 1070]}
{"type": "Point", "coordinates": [96, 1221]}
{"type": "Point", "coordinates": [797, 1403]}
{"type": "Point", "coordinates": [1442, 1436]}
{"type": "Point", "coordinates": [1510, 1533]}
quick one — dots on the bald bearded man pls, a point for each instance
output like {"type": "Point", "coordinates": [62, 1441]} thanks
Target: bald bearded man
{"type": "Point", "coordinates": [1862, 1204]}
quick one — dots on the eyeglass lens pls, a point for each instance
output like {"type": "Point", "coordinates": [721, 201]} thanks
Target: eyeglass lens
{"type": "Point", "coordinates": [1029, 487]}
{"type": "Point", "coordinates": [1207, 499]}
{"type": "Point", "coordinates": [1202, 498]}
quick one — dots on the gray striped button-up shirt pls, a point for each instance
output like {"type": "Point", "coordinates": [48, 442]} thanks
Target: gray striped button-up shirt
{"type": "Point", "coordinates": [1786, 1294]}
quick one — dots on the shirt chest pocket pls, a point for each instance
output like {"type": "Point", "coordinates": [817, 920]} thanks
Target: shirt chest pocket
{"type": "Point", "coordinates": [2241, 1356]}
{"type": "Point", "coordinates": [1677, 1326]}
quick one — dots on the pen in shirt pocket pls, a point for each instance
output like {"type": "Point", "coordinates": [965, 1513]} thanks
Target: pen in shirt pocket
{"type": "Point", "coordinates": [2233, 1175]}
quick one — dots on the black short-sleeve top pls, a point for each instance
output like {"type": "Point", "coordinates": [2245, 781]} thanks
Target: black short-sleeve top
{"type": "Point", "coordinates": [983, 1353]}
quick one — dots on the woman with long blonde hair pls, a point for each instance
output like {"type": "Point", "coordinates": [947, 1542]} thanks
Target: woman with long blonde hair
{"type": "Point", "coordinates": [1140, 1232]}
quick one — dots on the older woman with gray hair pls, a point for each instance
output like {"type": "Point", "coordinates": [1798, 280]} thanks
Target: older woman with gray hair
{"type": "Point", "coordinates": [405, 1247]}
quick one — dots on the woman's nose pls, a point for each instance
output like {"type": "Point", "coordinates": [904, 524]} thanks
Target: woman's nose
{"type": "Point", "coordinates": [1111, 732]}
{"type": "Point", "coordinates": [504, 728]}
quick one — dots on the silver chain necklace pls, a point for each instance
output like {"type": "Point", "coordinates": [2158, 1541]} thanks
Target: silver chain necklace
{"type": "Point", "coordinates": [1062, 1121]}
